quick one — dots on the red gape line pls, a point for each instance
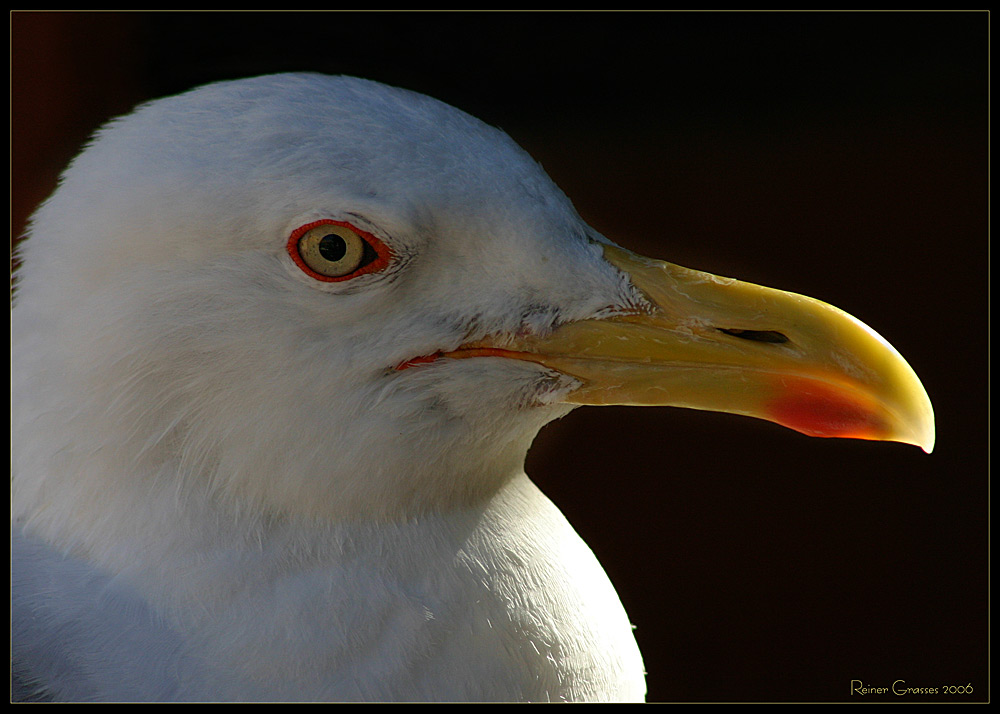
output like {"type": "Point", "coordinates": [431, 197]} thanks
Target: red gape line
{"type": "Point", "coordinates": [380, 248]}
{"type": "Point", "coordinates": [419, 360]}
{"type": "Point", "coordinates": [464, 353]}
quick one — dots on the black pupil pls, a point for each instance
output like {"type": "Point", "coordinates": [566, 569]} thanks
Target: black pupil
{"type": "Point", "coordinates": [332, 247]}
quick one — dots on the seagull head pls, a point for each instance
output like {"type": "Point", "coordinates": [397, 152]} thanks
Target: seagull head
{"type": "Point", "coordinates": [327, 297]}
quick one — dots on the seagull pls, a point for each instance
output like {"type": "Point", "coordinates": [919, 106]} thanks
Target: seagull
{"type": "Point", "coordinates": [279, 348]}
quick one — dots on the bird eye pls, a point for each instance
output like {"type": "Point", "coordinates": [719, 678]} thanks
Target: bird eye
{"type": "Point", "coordinates": [332, 251]}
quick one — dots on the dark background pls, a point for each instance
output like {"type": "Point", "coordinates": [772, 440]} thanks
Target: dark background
{"type": "Point", "coordinates": [839, 155]}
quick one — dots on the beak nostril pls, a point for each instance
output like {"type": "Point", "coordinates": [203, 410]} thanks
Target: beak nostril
{"type": "Point", "coordinates": [772, 336]}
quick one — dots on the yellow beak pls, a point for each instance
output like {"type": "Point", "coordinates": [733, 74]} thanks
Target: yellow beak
{"type": "Point", "coordinates": [718, 344]}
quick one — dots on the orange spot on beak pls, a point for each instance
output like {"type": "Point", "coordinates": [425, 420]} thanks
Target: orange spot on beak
{"type": "Point", "coordinates": [816, 409]}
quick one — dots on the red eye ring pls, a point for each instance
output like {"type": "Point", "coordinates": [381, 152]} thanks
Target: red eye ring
{"type": "Point", "coordinates": [367, 254]}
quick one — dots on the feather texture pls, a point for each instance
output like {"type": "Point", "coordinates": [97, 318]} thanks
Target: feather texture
{"type": "Point", "coordinates": [222, 487]}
